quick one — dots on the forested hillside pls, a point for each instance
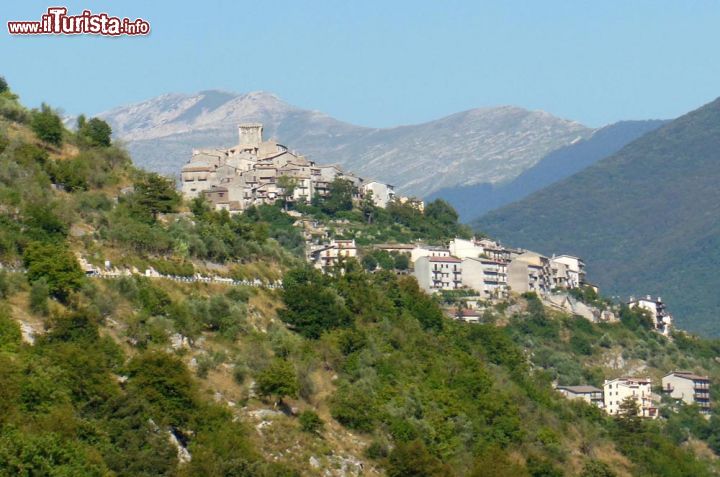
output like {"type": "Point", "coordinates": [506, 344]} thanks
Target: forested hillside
{"type": "Point", "coordinates": [345, 373]}
{"type": "Point", "coordinates": [647, 219]}
{"type": "Point", "coordinates": [473, 201]}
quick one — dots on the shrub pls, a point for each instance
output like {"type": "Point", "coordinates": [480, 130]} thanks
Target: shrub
{"type": "Point", "coordinates": [278, 379]}
{"type": "Point", "coordinates": [39, 294]}
{"type": "Point", "coordinates": [310, 422]}
{"type": "Point", "coordinates": [46, 124]}
{"type": "Point", "coordinates": [57, 265]}
{"type": "Point", "coordinates": [353, 408]}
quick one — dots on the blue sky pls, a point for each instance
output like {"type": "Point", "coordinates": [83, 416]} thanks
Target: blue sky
{"type": "Point", "coordinates": [384, 63]}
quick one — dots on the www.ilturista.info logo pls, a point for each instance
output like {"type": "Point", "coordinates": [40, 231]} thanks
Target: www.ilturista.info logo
{"type": "Point", "coordinates": [57, 22]}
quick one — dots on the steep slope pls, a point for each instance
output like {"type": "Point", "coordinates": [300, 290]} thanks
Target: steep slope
{"type": "Point", "coordinates": [480, 145]}
{"type": "Point", "coordinates": [647, 219]}
{"type": "Point", "coordinates": [475, 200]}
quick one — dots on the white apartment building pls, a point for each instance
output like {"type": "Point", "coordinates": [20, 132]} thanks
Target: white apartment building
{"type": "Point", "coordinates": [438, 273]}
{"type": "Point", "coordinates": [570, 270]}
{"type": "Point", "coordinates": [428, 251]}
{"type": "Point", "coordinates": [688, 387]}
{"type": "Point", "coordinates": [486, 276]}
{"type": "Point", "coordinates": [462, 248]}
{"type": "Point", "coordinates": [640, 389]}
{"type": "Point", "coordinates": [382, 194]}
{"type": "Point", "coordinates": [662, 320]}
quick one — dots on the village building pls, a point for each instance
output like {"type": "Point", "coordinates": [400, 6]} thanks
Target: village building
{"type": "Point", "coordinates": [466, 315]}
{"type": "Point", "coordinates": [462, 248]}
{"type": "Point", "coordinates": [568, 271]}
{"type": "Point", "coordinates": [486, 276]}
{"type": "Point", "coordinates": [325, 257]}
{"type": "Point", "coordinates": [688, 387]}
{"type": "Point", "coordinates": [414, 202]}
{"type": "Point", "coordinates": [529, 272]}
{"type": "Point", "coordinates": [589, 394]}
{"type": "Point", "coordinates": [662, 320]}
{"type": "Point", "coordinates": [404, 248]}
{"type": "Point", "coordinates": [437, 273]}
{"type": "Point", "coordinates": [493, 250]}
{"type": "Point", "coordinates": [250, 174]}
{"type": "Point", "coordinates": [639, 389]}
{"type": "Point", "coordinates": [421, 250]}
{"type": "Point", "coordinates": [382, 194]}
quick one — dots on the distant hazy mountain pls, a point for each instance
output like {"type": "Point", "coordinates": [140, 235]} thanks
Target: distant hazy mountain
{"type": "Point", "coordinates": [647, 219]}
{"type": "Point", "coordinates": [485, 145]}
{"type": "Point", "coordinates": [475, 200]}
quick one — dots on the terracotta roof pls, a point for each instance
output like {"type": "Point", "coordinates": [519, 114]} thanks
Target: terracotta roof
{"type": "Point", "coordinates": [445, 259]}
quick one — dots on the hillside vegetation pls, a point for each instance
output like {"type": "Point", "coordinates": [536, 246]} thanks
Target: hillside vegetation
{"type": "Point", "coordinates": [647, 219]}
{"type": "Point", "coordinates": [473, 201]}
{"type": "Point", "coordinates": [346, 373]}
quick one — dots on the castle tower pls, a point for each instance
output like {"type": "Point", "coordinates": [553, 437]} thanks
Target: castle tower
{"type": "Point", "coordinates": [250, 135]}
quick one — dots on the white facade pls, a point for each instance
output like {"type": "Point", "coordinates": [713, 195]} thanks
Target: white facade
{"type": "Point", "coordinates": [689, 388]}
{"type": "Point", "coordinates": [462, 248]}
{"type": "Point", "coordinates": [382, 193]}
{"type": "Point", "coordinates": [639, 389]}
{"type": "Point", "coordinates": [662, 320]}
{"type": "Point", "coordinates": [438, 273]}
{"type": "Point", "coordinates": [572, 270]}
{"type": "Point", "coordinates": [427, 251]}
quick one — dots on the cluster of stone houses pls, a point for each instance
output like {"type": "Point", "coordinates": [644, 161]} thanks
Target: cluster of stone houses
{"type": "Point", "coordinates": [250, 174]}
{"type": "Point", "coordinates": [690, 388]}
{"type": "Point", "coordinates": [493, 270]}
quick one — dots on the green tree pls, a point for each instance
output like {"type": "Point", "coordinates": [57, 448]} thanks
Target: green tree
{"type": "Point", "coordinates": [369, 262]}
{"type": "Point", "coordinates": [339, 196]}
{"type": "Point", "coordinates": [156, 194]}
{"type": "Point", "coordinates": [96, 132]}
{"type": "Point", "coordinates": [441, 212]}
{"type": "Point", "coordinates": [165, 383]}
{"type": "Point", "coordinates": [596, 468]}
{"type": "Point", "coordinates": [57, 265]}
{"type": "Point", "coordinates": [402, 261]}
{"type": "Point", "coordinates": [46, 124]}
{"type": "Point", "coordinates": [310, 422]}
{"type": "Point", "coordinates": [367, 206]}
{"type": "Point", "coordinates": [279, 379]}
{"type": "Point", "coordinates": [39, 294]}
{"type": "Point", "coordinates": [311, 306]}
{"type": "Point", "coordinates": [3, 85]}
{"type": "Point", "coordinates": [288, 185]}
{"type": "Point", "coordinates": [412, 459]}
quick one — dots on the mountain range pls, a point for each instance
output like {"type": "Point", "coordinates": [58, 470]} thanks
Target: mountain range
{"type": "Point", "coordinates": [646, 219]}
{"type": "Point", "coordinates": [486, 145]}
{"type": "Point", "coordinates": [475, 200]}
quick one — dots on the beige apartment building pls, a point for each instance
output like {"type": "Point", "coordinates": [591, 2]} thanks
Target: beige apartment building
{"type": "Point", "coordinates": [640, 389]}
{"type": "Point", "coordinates": [530, 272]}
{"type": "Point", "coordinates": [688, 387]}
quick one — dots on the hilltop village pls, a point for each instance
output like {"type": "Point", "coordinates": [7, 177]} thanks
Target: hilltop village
{"type": "Point", "coordinates": [478, 270]}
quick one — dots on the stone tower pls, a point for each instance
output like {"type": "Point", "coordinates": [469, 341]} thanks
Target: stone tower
{"type": "Point", "coordinates": [250, 135]}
